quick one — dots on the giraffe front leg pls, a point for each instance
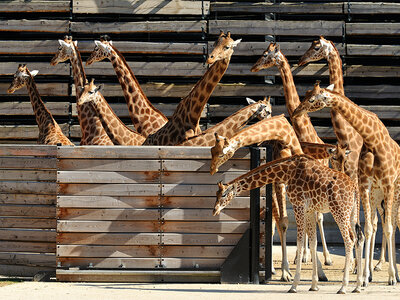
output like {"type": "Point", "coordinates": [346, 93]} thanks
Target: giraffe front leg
{"type": "Point", "coordinates": [382, 258]}
{"type": "Point", "coordinates": [388, 229]}
{"type": "Point", "coordinates": [327, 256]}
{"type": "Point", "coordinates": [365, 193]}
{"type": "Point", "coordinates": [300, 222]}
{"type": "Point", "coordinates": [311, 232]}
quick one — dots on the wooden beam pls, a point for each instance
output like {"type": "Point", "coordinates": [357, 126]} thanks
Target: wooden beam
{"type": "Point", "coordinates": [136, 7]}
{"type": "Point", "coordinates": [373, 50]}
{"type": "Point", "coordinates": [52, 26]}
{"type": "Point", "coordinates": [32, 150]}
{"type": "Point", "coordinates": [44, 68]}
{"type": "Point", "coordinates": [45, 89]}
{"type": "Point", "coordinates": [25, 108]}
{"type": "Point", "coordinates": [374, 8]}
{"type": "Point", "coordinates": [373, 28]}
{"type": "Point", "coordinates": [34, 6]}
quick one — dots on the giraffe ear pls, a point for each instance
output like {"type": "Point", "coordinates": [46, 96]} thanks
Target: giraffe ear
{"type": "Point", "coordinates": [99, 88]}
{"type": "Point", "coordinates": [98, 43]}
{"type": "Point", "coordinates": [250, 101]}
{"type": "Point", "coordinates": [64, 44]}
{"type": "Point", "coordinates": [235, 43]}
{"type": "Point", "coordinates": [220, 185]}
{"type": "Point", "coordinates": [330, 87]}
{"type": "Point", "coordinates": [76, 43]}
{"type": "Point", "coordinates": [347, 152]}
{"type": "Point", "coordinates": [331, 150]}
{"type": "Point", "coordinates": [34, 73]}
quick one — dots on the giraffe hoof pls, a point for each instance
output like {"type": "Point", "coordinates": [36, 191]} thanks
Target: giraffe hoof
{"type": "Point", "coordinates": [357, 290]}
{"type": "Point", "coordinates": [328, 263]}
{"type": "Point", "coordinates": [398, 278]}
{"type": "Point", "coordinates": [341, 292]}
{"type": "Point", "coordinates": [365, 284]}
{"type": "Point", "coordinates": [292, 291]}
{"type": "Point", "coordinates": [392, 282]}
{"type": "Point", "coordinates": [378, 267]}
{"type": "Point", "coordinates": [314, 289]}
{"type": "Point", "coordinates": [370, 278]}
{"type": "Point", "coordinates": [322, 278]}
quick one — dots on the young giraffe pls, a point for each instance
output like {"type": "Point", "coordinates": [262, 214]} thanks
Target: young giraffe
{"type": "Point", "coordinates": [304, 129]}
{"type": "Point", "coordinates": [145, 117]}
{"type": "Point", "coordinates": [93, 132]}
{"type": "Point", "coordinates": [386, 159]}
{"type": "Point", "coordinates": [311, 187]}
{"type": "Point", "coordinates": [232, 124]}
{"type": "Point", "coordinates": [184, 123]}
{"type": "Point", "coordinates": [50, 132]}
{"type": "Point", "coordinates": [119, 133]}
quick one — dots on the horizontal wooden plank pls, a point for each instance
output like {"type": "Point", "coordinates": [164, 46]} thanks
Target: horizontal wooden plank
{"type": "Point", "coordinates": [97, 214]}
{"type": "Point", "coordinates": [108, 263]}
{"type": "Point", "coordinates": [108, 238]}
{"type": "Point", "coordinates": [52, 26]}
{"type": "Point", "coordinates": [193, 263]}
{"type": "Point", "coordinates": [31, 223]}
{"type": "Point", "coordinates": [123, 165]}
{"type": "Point", "coordinates": [109, 189]}
{"type": "Point", "coordinates": [138, 27]}
{"type": "Point", "coordinates": [372, 28]}
{"type": "Point", "coordinates": [374, 8]}
{"type": "Point", "coordinates": [31, 259]}
{"type": "Point", "coordinates": [25, 108]}
{"type": "Point", "coordinates": [24, 271]}
{"type": "Point", "coordinates": [17, 246]}
{"type": "Point", "coordinates": [28, 175]}
{"type": "Point", "coordinates": [196, 251]}
{"type": "Point", "coordinates": [31, 150]}
{"type": "Point", "coordinates": [197, 178]}
{"type": "Point", "coordinates": [191, 190]}
{"type": "Point", "coordinates": [44, 68]}
{"type": "Point", "coordinates": [45, 89]}
{"type": "Point", "coordinates": [107, 226]}
{"type": "Point", "coordinates": [174, 276]}
{"type": "Point", "coordinates": [373, 50]}
{"type": "Point", "coordinates": [27, 199]}
{"type": "Point", "coordinates": [24, 132]}
{"type": "Point", "coordinates": [255, 27]}
{"type": "Point", "coordinates": [107, 251]}
{"type": "Point", "coordinates": [34, 6]}
{"type": "Point", "coordinates": [204, 215]}
{"type": "Point", "coordinates": [201, 239]}
{"type": "Point", "coordinates": [31, 211]}
{"type": "Point", "coordinates": [233, 165]}
{"type": "Point", "coordinates": [28, 163]}
{"type": "Point", "coordinates": [28, 187]}
{"type": "Point", "coordinates": [135, 7]}
{"type": "Point", "coordinates": [144, 202]}
{"type": "Point", "coordinates": [28, 235]}
{"type": "Point", "coordinates": [108, 177]}
{"type": "Point", "coordinates": [139, 152]}
{"type": "Point", "coordinates": [282, 8]}
{"type": "Point", "coordinates": [205, 227]}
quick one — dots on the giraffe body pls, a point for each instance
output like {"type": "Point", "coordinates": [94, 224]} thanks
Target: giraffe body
{"type": "Point", "coordinates": [145, 117]}
{"type": "Point", "coordinates": [50, 132]}
{"type": "Point", "coordinates": [232, 124]}
{"type": "Point", "coordinates": [384, 174]}
{"type": "Point", "coordinates": [311, 187]}
{"type": "Point", "coordinates": [118, 132]}
{"type": "Point", "coordinates": [93, 132]}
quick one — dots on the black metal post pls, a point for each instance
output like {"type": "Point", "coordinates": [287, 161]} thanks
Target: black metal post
{"type": "Point", "coordinates": [268, 223]}
{"type": "Point", "coordinates": [254, 221]}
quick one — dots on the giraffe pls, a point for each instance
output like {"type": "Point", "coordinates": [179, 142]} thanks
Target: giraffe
{"type": "Point", "coordinates": [50, 132]}
{"type": "Point", "coordinates": [93, 132]}
{"type": "Point", "coordinates": [311, 187]}
{"type": "Point", "coordinates": [145, 117]}
{"type": "Point", "coordinates": [232, 124]}
{"type": "Point", "coordinates": [278, 129]}
{"type": "Point", "coordinates": [305, 131]}
{"type": "Point", "coordinates": [119, 133]}
{"type": "Point", "coordinates": [346, 134]}
{"type": "Point", "coordinates": [184, 122]}
{"type": "Point", "coordinates": [386, 160]}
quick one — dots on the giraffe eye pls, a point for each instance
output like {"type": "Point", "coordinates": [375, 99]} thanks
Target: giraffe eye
{"type": "Point", "coordinates": [317, 48]}
{"type": "Point", "coordinates": [227, 47]}
{"type": "Point", "coordinates": [311, 100]}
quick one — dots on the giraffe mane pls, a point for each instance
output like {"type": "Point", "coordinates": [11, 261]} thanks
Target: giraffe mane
{"type": "Point", "coordinates": [79, 60]}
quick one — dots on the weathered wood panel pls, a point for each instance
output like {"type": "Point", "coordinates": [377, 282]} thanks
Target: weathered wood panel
{"type": "Point", "coordinates": [96, 214]}
{"type": "Point", "coordinates": [34, 6]}
{"type": "Point", "coordinates": [6, 246]}
{"type": "Point", "coordinates": [107, 226]}
{"type": "Point", "coordinates": [372, 28]}
{"type": "Point", "coordinates": [9, 68]}
{"type": "Point", "coordinates": [31, 150]}
{"type": "Point", "coordinates": [27, 211]}
{"type": "Point", "coordinates": [27, 199]}
{"type": "Point", "coordinates": [28, 175]}
{"type": "Point", "coordinates": [31, 259]}
{"type": "Point", "coordinates": [109, 238]}
{"type": "Point", "coordinates": [109, 263]}
{"type": "Point", "coordinates": [152, 7]}
{"type": "Point", "coordinates": [11, 222]}
{"type": "Point", "coordinates": [25, 108]}
{"type": "Point", "coordinates": [28, 235]}
{"type": "Point", "coordinates": [45, 89]}
{"type": "Point", "coordinates": [48, 26]}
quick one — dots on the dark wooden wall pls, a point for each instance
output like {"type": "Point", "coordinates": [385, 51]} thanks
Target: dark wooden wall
{"type": "Point", "coordinates": [166, 43]}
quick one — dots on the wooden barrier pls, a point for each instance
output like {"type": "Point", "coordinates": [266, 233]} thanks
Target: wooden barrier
{"type": "Point", "coordinates": [133, 208]}
{"type": "Point", "coordinates": [27, 209]}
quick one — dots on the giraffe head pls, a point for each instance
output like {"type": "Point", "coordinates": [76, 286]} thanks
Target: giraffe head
{"type": "Point", "coordinates": [89, 93]}
{"type": "Point", "coordinates": [271, 57]}
{"type": "Point", "coordinates": [225, 194]}
{"type": "Point", "coordinates": [101, 51]}
{"type": "Point", "coordinates": [318, 50]}
{"type": "Point", "coordinates": [315, 99]}
{"type": "Point", "coordinates": [264, 109]}
{"type": "Point", "coordinates": [20, 78]}
{"type": "Point", "coordinates": [223, 48]}
{"type": "Point", "coordinates": [65, 50]}
{"type": "Point", "coordinates": [338, 156]}
{"type": "Point", "coordinates": [222, 151]}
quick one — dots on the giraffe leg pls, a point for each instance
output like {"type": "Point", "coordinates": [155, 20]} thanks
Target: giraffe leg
{"type": "Point", "coordinates": [373, 236]}
{"type": "Point", "coordinates": [300, 222]}
{"type": "Point", "coordinates": [312, 233]}
{"type": "Point", "coordinates": [388, 229]}
{"type": "Point", "coordinates": [327, 257]}
{"type": "Point", "coordinates": [305, 250]}
{"type": "Point", "coordinates": [382, 258]}
{"type": "Point", "coordinates": [396, 221]}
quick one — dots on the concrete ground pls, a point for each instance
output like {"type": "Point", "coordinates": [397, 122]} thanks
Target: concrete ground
{"type": "Point", "coordinates": [378, 289]}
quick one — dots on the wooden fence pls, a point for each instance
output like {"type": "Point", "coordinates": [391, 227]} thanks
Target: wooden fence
{"type": "Point", "coordinates": [27, 209]}
{"type": "Point", "coordinates": [166, 43]}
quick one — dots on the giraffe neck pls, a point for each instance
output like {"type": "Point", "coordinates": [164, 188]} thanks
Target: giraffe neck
{"type": "Point", "coordinates": [275, 128]}
{"type": "Point", "coordinates": [191, 107]}
{"type": "Point", "coordinates": [44, 119]}
{"type": "Point", "coordinates": [335, 70]}
{"type": "Point", "coordinates": [278, 170]}
{"type": "Point", "coordinates": [302, 126]}
{"type": "Point", "coordinates": [78, 71]}
{"type": "Point", "coordinates": [367, 124]}
{"type": "Point", "coordinates": [146, 118]}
